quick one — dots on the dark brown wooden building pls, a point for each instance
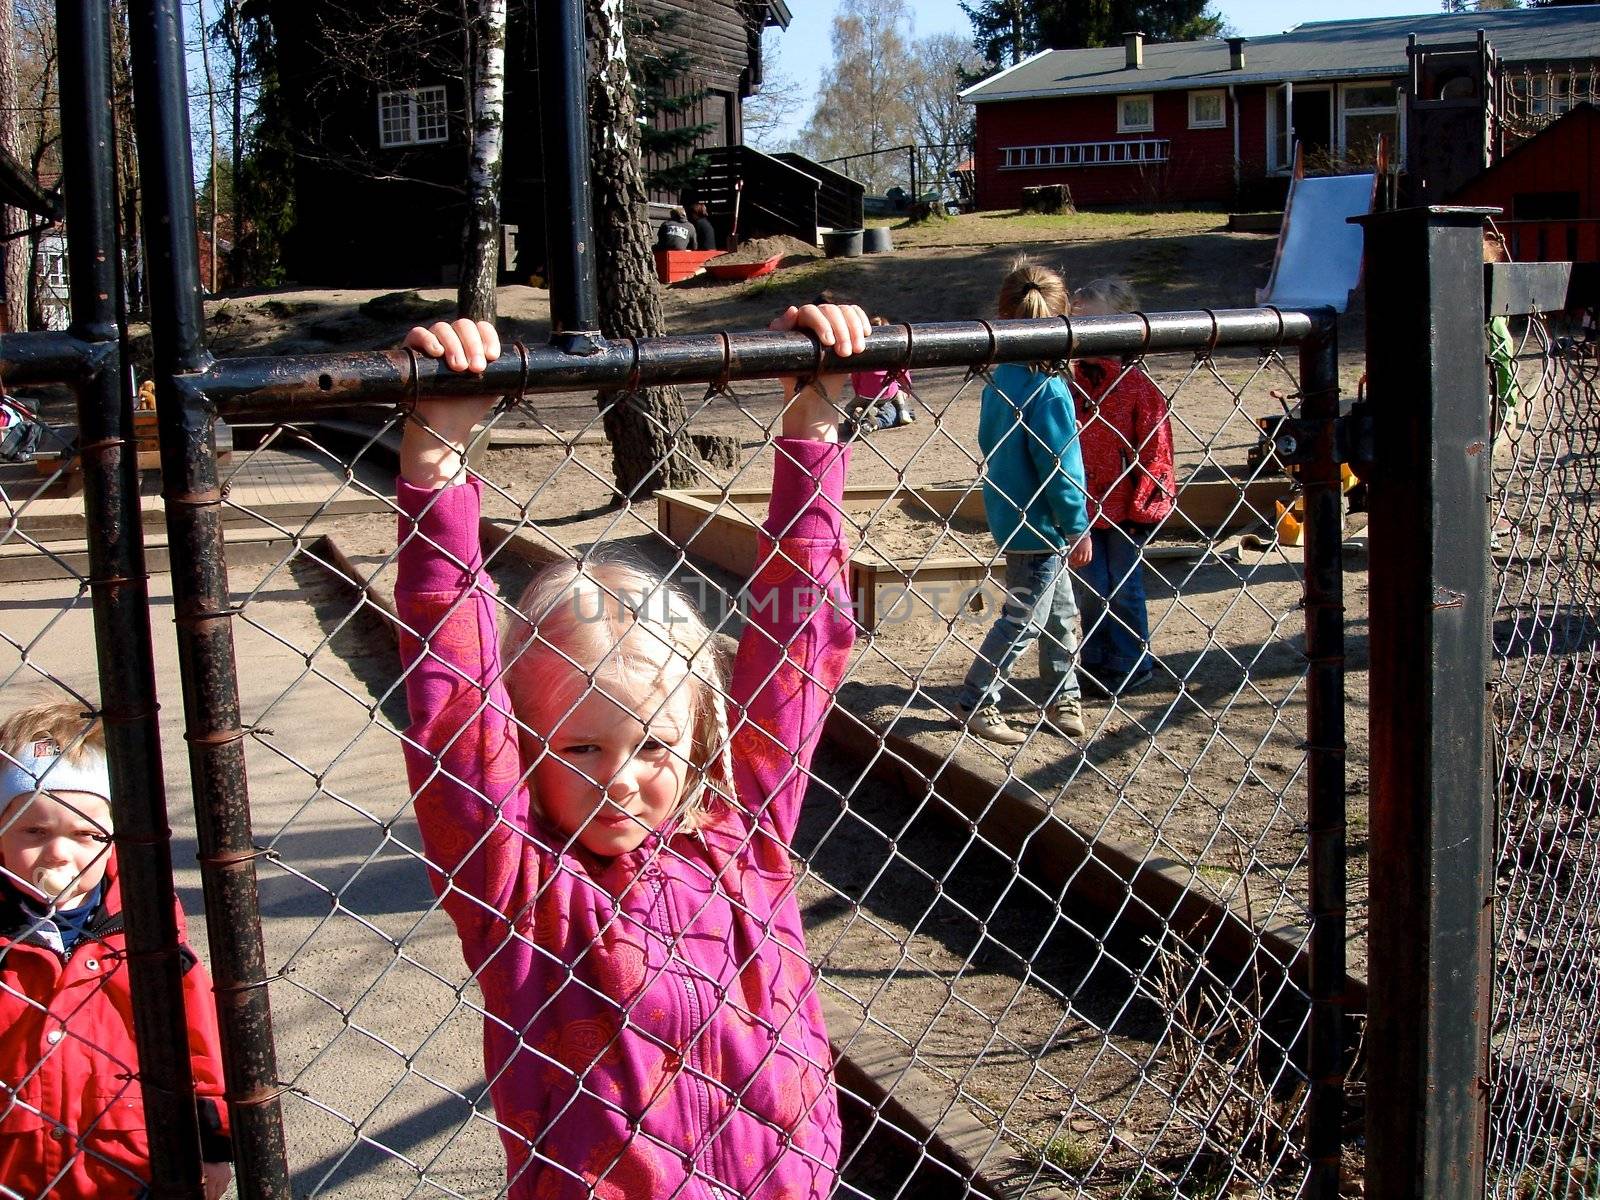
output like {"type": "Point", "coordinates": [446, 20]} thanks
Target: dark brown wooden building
{"type": "Point", "coordinates": [376, 92]}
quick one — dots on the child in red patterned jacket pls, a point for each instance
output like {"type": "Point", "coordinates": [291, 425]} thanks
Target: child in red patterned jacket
{"type": "Point", "coordinates": [1125, 432]}
{"type": "Point", "coordinates": [72, 1123]}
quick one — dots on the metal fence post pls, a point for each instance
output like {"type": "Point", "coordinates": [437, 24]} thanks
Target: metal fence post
{"type": "Point", "coordinates": [1432, 820]}
{"type": "Point", "coordinates": [203, 607]}
{"type": "Point", "coordinates": [1325, 750]}
{"type": "Point", "coordinates": [121, 602]}
{"type": "Point", "coordinates": [569, 208]}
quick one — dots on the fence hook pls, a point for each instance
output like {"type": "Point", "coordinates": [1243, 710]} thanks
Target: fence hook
{"type": "Point", "coordinates": [978, 369]}
{"type": "Point", "coordinates": [1210, 347]}
{"type": "Point", "coordinates": [509, 402]}
{"type": "Point", "coordinates": [720, 385]}
{"type": "Point", "coordinates": [1277, 312]}
{"type": "Point", "coordinates": [413, 384]}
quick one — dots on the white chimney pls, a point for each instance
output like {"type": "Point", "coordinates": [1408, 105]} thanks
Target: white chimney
{"type": "Point", "coordinates": [1133, 43]}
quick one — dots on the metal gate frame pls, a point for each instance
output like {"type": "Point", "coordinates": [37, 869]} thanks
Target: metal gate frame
{"type": "Point", "coordinates": [1420, 439]}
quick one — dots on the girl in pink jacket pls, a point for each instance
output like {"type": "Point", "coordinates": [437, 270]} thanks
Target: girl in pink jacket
{"type": "Point", "coordinates": [611, 837]}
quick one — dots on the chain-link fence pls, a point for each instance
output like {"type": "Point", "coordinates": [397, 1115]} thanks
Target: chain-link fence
{"type": "Point", "coordinates": [1075, 963]}
{"type": "Point", "coordinates": [72, 1078]}
{"type": "Point", "coordinates": [1545, 1117]}
{"type": "Point", "coordinates": [568, 896]}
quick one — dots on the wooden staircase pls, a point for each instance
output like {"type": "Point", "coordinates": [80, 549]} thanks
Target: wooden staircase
{"type": "Point", "coordinates": [784, 193]}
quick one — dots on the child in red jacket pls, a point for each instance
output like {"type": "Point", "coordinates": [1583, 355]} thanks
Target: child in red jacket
{"type": "Point", "coordinates": [72, 1123]}
{"type": "Point", "coordinates": [1126, 436]}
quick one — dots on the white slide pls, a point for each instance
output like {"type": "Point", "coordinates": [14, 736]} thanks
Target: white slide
{"type": "Point", "coordinates": [1319, 252]}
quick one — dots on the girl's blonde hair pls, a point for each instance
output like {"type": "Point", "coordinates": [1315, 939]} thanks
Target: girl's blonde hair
{"type": "Point", "coordinates": [611, 620]}
{"type": "Point", "coordinates": [1030, 290]}
{"type": "Point", "coordinates": [1114, 295]}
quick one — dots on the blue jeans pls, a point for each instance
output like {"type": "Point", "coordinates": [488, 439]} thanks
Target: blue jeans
{"type": "Point", "coordinates": [1038, 600]}
{"type": "Point", "coordinates": [1116, 626]}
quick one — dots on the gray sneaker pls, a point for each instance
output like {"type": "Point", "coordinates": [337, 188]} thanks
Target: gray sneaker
{"type": "Point", "coordinates": [988, 724]}
{"type": "Point", "coordinates": [1067, 716]}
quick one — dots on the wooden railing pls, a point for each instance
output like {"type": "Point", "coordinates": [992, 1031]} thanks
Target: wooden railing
{"type": "Point", "coordinates": [781, 194]}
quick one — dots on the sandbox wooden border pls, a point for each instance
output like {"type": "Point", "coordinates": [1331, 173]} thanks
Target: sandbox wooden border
{"type": "Point", "coordinates": [716, 525]}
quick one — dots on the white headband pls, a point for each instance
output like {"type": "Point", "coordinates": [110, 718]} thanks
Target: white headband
{"type": "Point", "coordinates": [39, 766]}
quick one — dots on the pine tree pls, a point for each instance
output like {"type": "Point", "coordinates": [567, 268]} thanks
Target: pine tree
{"type": "Point", "coordinates": [265, 183]}
{"type": "Point", "coordinates": [1010, 30]}
{"type": "Point", "coordinates": [655, 67]}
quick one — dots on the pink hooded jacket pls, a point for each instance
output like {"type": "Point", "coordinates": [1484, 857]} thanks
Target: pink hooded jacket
{"type": "Point", "coordinates": [653, 1028]}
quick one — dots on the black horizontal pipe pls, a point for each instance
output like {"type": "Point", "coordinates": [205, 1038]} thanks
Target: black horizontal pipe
{"type": "Point", "coordinates": [29, 359]}
{"type": "Point", "coordinates": [301, 387]}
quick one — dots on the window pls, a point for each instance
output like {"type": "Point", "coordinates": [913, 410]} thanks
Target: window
{"type": "Point", "coordinates": [1135, 114]}
{"type": "Point", "coordinates": [1371, 111]}
{"type": "Point", "coordinates": [412, 118]}
{"type": "Point", "coordinates": [1207, 111]}
{"type": "Point", "coordinates": [1085, 154]}
{"type": "Point", "coordinates": [52, 267]}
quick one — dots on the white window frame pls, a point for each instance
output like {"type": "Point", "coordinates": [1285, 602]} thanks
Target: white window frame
{"type": "Point", "coordinates": [1395, 109]}
{"type": "Point", "coordinates": [1222, 109]}
{"type": "Point", "coordinates": [412, 131]}
{"type": "Point", "coordinates": [1335, 131]}
{"type": "Point", "coordinates": [53, 266]}
{"type": "Point", "coordinates": [1122, 102]}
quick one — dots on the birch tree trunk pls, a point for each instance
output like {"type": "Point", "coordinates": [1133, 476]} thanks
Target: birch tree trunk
{"type": "Point", "coordinates": [480, 248]}
{"type": "Point", "coordinates": [646, 428]}
{"type": "Point", "coordinates": [13, 249]}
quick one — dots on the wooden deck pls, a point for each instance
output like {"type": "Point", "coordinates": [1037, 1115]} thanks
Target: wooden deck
{"type": "Point", "coordinates": [272, 498]}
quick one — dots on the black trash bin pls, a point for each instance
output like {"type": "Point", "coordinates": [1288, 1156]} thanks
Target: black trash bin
{"type": "Point", "coordinates": [876, 240]}
{"type": "Point", "coordinates": [842, 243]}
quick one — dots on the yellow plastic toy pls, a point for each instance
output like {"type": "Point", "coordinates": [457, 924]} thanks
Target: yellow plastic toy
{"type": "Point", "coordinates": [1291, 522]}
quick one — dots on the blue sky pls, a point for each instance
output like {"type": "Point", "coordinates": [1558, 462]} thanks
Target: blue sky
{"type": "Point", "coordinates": [805, 49]}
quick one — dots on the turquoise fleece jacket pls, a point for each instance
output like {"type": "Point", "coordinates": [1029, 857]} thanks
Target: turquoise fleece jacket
{"type": "Point", "coordinates": [1033, 483]}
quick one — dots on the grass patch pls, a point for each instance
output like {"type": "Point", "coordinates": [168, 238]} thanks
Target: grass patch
{"type": "Point", "coordinates": [1004, 228]}
{"type": "Point", "coordinates": [815, 275]}
{"type": "Point", "coordinates": [1221, 876]}
{"type": "Point", "coordinates": [283, 310]}
{"type": "Point", "coordinates": [1064, 1152]}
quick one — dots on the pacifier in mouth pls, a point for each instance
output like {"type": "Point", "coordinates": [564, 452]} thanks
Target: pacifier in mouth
{"type": "Point", "coordinates": [52, 881]}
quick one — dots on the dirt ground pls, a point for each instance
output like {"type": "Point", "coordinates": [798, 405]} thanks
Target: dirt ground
{"type": "Point", "coordinates": [1013, 1002]}
{"type": "Point", "coordinates": [1030, 1015]}
{"type": "Point", "coordinates": [944, 270]}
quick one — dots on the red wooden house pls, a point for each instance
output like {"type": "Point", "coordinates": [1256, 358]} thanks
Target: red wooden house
{"type": "Point", "coordinates": [1548, 189]}
{"type": "Point", "coordinates": [1216, 121]}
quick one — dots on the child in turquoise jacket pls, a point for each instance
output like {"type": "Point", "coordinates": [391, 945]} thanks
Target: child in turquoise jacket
{"type": "Point", "coordinates": [1036, 504]}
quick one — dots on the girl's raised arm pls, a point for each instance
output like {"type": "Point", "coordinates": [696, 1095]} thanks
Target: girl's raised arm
{"type": "Point", "coordinates": [461, 750]}
{"type": "Point", "coordinates": [800, 625]}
